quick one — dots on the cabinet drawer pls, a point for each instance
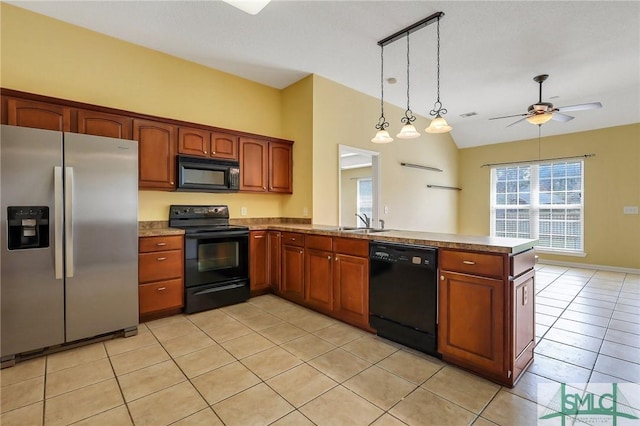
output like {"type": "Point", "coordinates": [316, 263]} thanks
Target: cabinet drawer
{"type": "Point", "coordinates": [149, 244]}
{"type": "Point", "coordinates": [293, 239]}
{"type": "Point", "coordinates": [352, 246]}
{"type": "Point", "coordinates": [490, 265]}
{"type": "Point", "coordinates": [318, 242]}
{"type": "Point", "coordinates": [522, 262]}
{"type": "Point", "coordinates": [160, 296]}
{"type": "Point", "coordinates": [161, 265]}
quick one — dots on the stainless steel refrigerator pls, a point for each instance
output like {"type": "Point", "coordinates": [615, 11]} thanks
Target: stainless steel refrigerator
{"type": "Point", "coordinates": [69, 238]}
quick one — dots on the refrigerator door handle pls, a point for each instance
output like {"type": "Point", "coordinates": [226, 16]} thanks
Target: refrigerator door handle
{"type": "Point", "coordinates": [58, 255]}
{"type": "Point", "coordinates": [68, 219]}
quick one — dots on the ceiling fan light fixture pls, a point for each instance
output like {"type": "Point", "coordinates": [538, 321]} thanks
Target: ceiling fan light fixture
{"type": "Point", "coordinates": [408, 131]}
{"type": "Point", "coordinates": [540, 119]}
{"type": "Point", "coordinates": [438, 125]}
{"type": "Point", "coordinates": [382, 137]}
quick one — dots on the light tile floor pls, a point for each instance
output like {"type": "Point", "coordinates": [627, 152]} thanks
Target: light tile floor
{"type": "Point", "coordinates": [269, 361]}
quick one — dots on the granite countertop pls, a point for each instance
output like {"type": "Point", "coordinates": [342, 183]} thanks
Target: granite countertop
{"type": "Point", "coordinates": [434, 239]}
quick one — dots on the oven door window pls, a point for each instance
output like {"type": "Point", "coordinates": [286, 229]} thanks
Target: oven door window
{"type": "Point", "coordinates": [214, 256]}
{"type": "Point", "coordinates": [215, 259]}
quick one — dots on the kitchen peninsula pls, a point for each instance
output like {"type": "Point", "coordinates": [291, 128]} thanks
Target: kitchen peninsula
{"type": "Point", "coordinates": [485, 286]}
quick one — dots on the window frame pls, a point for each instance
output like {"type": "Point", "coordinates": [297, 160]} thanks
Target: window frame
{"type": "Point", "coordinates": [534, 206]}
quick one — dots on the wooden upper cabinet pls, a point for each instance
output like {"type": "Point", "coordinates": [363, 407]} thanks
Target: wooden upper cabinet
{"type": "Point", "coordinates": [280, 167]}
{"type": "Point", "coordinates": [104, 124]}
{"type": "Point", "coordinates": [224, 146]}
{"type": "Point", "coordinates": [38, 115]}
{"type": "Point", "coordinates": [266, 166]}
{"type": "Point", "coordinates": [156, 154]}
{"type": "Point", "coordinates": [253, 165]}
{"type": "Point", "coordinates": [193, 141]}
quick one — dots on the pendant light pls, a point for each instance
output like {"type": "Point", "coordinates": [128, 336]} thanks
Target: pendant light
{"type": "Point", "coordinates": [438, 124]}
{"type": "Point", "coordinates": [408, 131]}
{"type": "Point", "coordinates": [382, 136]}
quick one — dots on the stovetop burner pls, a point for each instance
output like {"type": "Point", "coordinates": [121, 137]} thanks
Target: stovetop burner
{"type": "Point", "coordinates": [200, 219]}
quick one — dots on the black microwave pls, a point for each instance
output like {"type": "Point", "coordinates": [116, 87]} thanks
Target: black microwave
{"type": "Point", "coordinates": [201, 174]}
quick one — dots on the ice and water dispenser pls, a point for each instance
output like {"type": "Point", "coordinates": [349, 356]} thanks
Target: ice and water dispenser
{"type": "Point", "coordinates": [28, 227]}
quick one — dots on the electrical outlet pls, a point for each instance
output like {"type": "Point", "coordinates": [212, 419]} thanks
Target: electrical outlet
{"type": "Point", "coordinates": [243, 211]}
{"type": "Point", "coordinates": [305, 212]}
{"type": "Point", "coordinates": [386, 209]}
{"type": "Point", "coordinates": [630, 210]}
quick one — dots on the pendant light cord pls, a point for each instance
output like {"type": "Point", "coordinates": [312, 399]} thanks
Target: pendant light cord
{"type": "Point", "coordinates": [382, 122]}
{"type": "Point", "coordinates": [437, 107]}
{"type": "Point", "coordinates": [408, 114]}
{"type": "Point", "coordinates": [408, 109]}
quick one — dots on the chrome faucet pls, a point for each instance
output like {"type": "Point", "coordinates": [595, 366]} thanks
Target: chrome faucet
{"type": "Point", "coordinates": [365, 219]}
{"type": "Point", "coordinates": [381, 223]}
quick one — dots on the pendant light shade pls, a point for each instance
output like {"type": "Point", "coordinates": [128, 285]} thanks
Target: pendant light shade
{"type": "Point", "coordinates": [408, 131]}
{"type": "Point", "coordinates": [439, 124]}
{"type": "Point", "coordinates": [382, 136]}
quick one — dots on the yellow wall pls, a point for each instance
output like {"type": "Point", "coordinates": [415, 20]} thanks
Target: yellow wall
{"type": "Point", "coordinates": [611, 181]}
{"type": "Point", "coordinates": [345, 116]}
{"type": "Point", "coordinates": [297, 125]}
{"type": "Point", "coordinates": [49, 57]}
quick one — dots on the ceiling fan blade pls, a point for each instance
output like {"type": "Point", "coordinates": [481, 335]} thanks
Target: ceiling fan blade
{"type": "Point", "coordinates": [516, 122]}
{"type": "Point", "coordinates": [508, 116]}
{"type": "Point", "coordinates": [557, 116]}
{"type": "Point", "coordinates": [580, 107]}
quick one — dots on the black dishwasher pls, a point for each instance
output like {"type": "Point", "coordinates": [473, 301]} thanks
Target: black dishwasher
{"type": "Point", "coordinates": [403, 294]}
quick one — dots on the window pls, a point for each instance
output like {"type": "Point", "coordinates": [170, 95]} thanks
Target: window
{"type": "Point", "coordinates": [365, 199]}
{"type": "Point", "coordinates": [543, 201]}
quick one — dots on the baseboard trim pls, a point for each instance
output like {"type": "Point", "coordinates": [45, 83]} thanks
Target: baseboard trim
{"type": "Point", "coordinates": [589, 266]}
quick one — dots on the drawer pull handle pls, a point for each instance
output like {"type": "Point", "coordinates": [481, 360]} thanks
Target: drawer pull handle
{"type": "Point", "coordinates": [161, 288]}
{"type": "Point", "coordinates": [525, 295]}
{"type": "Point", "coordinates": [328, 257]}
{"type": "Point", "coordinates": [161, 244]}
{"type": "Point", "coordinates": [468, 262]}
{"type": "Point", "coordinates": [258, 236]}
{"type": "Point", "coordinates": [160, 259]}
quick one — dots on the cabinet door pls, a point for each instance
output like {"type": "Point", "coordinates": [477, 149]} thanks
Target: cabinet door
{"type": "Point", "coordinates": [280, 167]}
{"type": "Point", "coordinates": [274, 239]}
{"type": "Point", "coordinates": [258, 269]}
{"type": "Point", "coordinates": [224, 145]}
{"type": "Point", "coordinates": [103, 124]}
{"type": "Point", "coordinates": [38, 115]}
{"type": "Point", "coordinates": [318, 269]}
{"type": "Point", "coordinates": [351, 289]}
{"type": "Point", "coordinates": [292, 285]}
{"type": "Point", "coordinates": [193, 141]}
{"type": "Point", "coordinates": [471, 321]}
{"type": "Point", "coordinates": [253, 165]}
{"type": "Point", "coordinates": [523, 312]}
{"type": "Point", "coordinates": [156, 154]}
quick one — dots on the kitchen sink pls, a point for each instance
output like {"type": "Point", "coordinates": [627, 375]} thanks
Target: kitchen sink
{"type": "Point", "coordinates": [366, 230]}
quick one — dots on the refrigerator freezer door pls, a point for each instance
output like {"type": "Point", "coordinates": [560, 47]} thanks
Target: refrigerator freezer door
{"type": "Point", "coordinates": [101, 176]}
{"type": "Point", "coordinates": [32, 312]}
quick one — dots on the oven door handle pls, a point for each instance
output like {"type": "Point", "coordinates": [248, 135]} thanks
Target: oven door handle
{"type": "Point", "coordinates": [220, 288]}
{"type": "Point", "coordinates": [222, 234]}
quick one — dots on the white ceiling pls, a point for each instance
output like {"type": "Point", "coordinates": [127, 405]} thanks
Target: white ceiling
{"type": "Point", "coordinates": [490, 51]}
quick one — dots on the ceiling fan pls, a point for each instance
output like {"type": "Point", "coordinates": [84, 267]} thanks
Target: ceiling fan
{"type": "Point", "coordinates": [541, 112]}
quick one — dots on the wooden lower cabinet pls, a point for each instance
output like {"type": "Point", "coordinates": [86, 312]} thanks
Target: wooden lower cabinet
{"type": "Point", "coordinates": [292, 284]}
{"type": "Point", "coordinates": [327, 274]}
{"type": "Point", "coordinates": [160, 276]}
{"type": "Point", "coordinates": [274, 251]}
{"type": "Point", "coordinates": [258, 262]}
{"type": "Point", "coordinates": [318, 269]}
{"type": "Point", "coordinates": [471, 326]}
{"type": "Point", "coordinates": [486, 312]}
